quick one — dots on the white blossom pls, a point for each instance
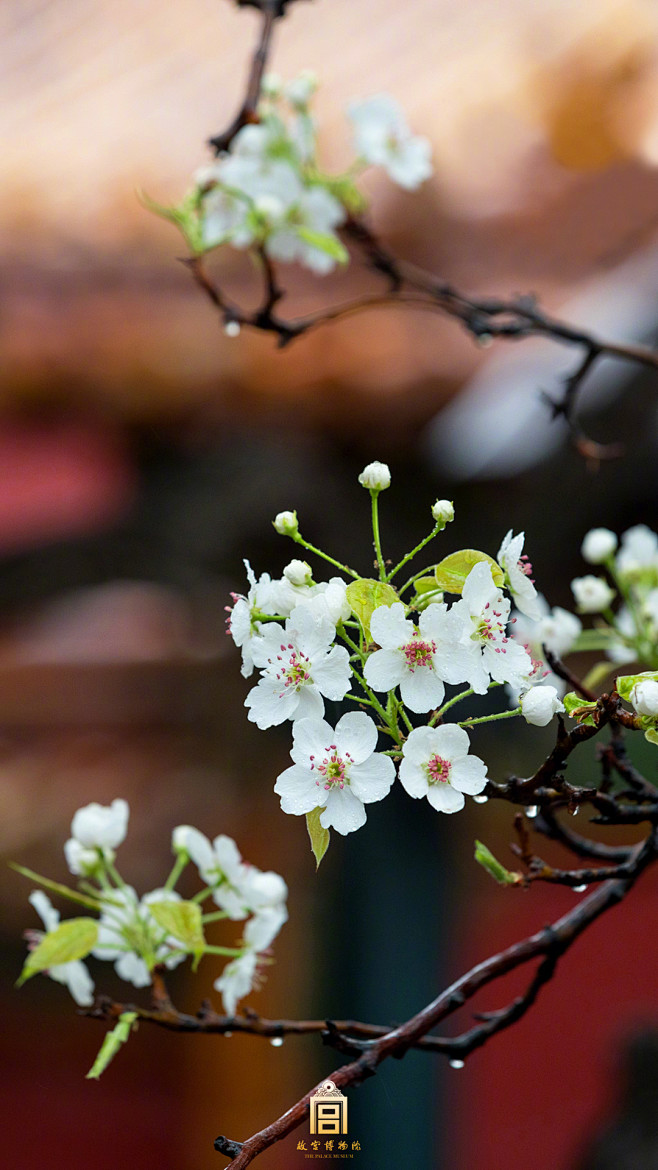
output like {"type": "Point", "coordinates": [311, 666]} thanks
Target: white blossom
{"type": "Point", "coordinates": [418, 660]}
{"type": "Point", "coordinates": [237, 980]}
{"type": "Point", "coordinates": [336, 770]}
{"type": "Point", "coordinates": [639, 552]}
{"type": "Point", "coordinates": [443, 511]}
{"type": "Point", "coordinates": [592, 594]}
{"type": "Point", "coordinates": [375, 476]}
{"type": "Point", "coordinates": [298, 573]}
{"type": "Point", "coordinates": [485, 649]}
{"type": "Point", "coordinates": [518, 571]}
{"type": "Point", "coordinates": [619, 651]}
{"type": "Point", "coordinates": [129, 935]}
{"type": "Point", "coordinates": [299, 666]}
{"type": "Point", "coordinates": [383, 137]}
{"type": "Point", "coordinates": [644, 697]}
{"type": "Point", "coordinates": [286, 523]}
{"type": "Point", "coordinates": [74, 974]}
{"type": "Point", "coordinates": [300, 90]}
{"type": "Point", "coordinates": [540, 704]}
{"type": "Point", "coordinates": [598, 545]}
{"type": "Point", "coordinates": [436, 764]}
{"type": "Point", "coordinates": [242, 625]}
{"type": "Point", "coordinates": [314, 211]}
{"type": "Point", "coordinates": [96, 830]}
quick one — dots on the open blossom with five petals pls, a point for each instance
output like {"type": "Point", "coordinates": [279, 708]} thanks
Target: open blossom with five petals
{"type": "Point", "coordinates": [436, 764]}
{"type": "Point", "coordinates": [485, 650]}
{"type": "Point", "coordinates": [518, 571]}
{"type": "Point", "coordinates": [336, 770]}
{"type": "Point", "coordinates": [74, 974]}
{"type": "Point", "coordinates": [382, 137]}
{"type": "Point", "coordinates": [418, 660]}
{"type": "Point", "coordinates": [299, 666]}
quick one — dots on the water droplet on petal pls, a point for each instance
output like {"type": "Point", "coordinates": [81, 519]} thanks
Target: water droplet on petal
{"type": "Point", "coordinates": [232, 329]}
{"type": "Point", "coordinates": [579, 889]}
{"type": "Point", "coordinates": [276, 1041]}
{"type": "Point", "coordinates": [531, 811]}
{"type": "Point", "coordinates": [456, 1063]}
{"type": "Point", "coordinates": [480, 799]}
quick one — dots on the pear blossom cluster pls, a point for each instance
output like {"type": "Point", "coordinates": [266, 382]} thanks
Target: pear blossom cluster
{"type": "Point", "coordinates": [399, 659]}
{"type": "Point", "coordinates": [622, 596]}
{"type": "Point", "coordinates": [267, 192]}
{"type": "Point", "coordinates": [159, 929]}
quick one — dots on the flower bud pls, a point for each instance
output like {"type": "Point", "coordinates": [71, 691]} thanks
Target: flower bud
{"type": "Point", "coordinates": [592, 594]}
{"type": "Point", "coordinates": [101, 826]}
{"type": "Point", "coordinates": [598, 545]}
{"type": "Point", "coordinates": [298, 573]}
{"type": "Point", "coordinates": [286, 523]}
{"type": "Point", "coordinates": [644, 697]}
{"type": "Point", "coordinates": [82, 861]}
{"type": "Point", "coordinates": [540, 704]}
{"type": "Point", "coordinates": [300, 91]}
{"type": "Point", "coordinates": [271, 85]}
{"type": "Point", "coordinates": [376, 477]}
{"type": "Point", "coordinates": [443, 512]}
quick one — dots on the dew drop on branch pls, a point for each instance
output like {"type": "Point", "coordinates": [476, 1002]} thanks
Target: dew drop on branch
{"type": "Point", "coordinates": [276, 1041]}
{"type": "Point", "coordinates": [480, 799]}
{"type": "Point", "coordinates": [531, 811]}
{"type": "Point", "coordinates": [456, 1063]}
{"type": "Point", "coordinates": [579, 889]}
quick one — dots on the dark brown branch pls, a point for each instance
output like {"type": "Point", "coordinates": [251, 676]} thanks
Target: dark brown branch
{"type": "Point", "coordinates": [547, 944]}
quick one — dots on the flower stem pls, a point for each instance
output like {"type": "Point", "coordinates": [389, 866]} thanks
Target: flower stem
{"type": "Point", "coordinates": [374, 496]}
{"type": "Point", "coordinates": [214, 916]}
{"type": "Point", "coordinates": [234, 952]}
{"type": "Point", "coordinates": [177, 869]}
{"type": "Point", "coordinates": [325, 556]}
{"type": "Point", "coordinates": [491, 718]}
{"type": "Point", "coordinates": [410, 555]}
{"type": "Point", "coordinates": [446, 706]}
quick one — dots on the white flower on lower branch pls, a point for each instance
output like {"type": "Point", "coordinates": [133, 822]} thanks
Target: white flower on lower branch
{"type": "Point", "coordinates": [338, 771]}
{"type": "Point", "coordinates": [436, 764]}
{"type": "Point", "coordinates": [129, 936]}
{"type": "Point", "coordinates": [73, 975]}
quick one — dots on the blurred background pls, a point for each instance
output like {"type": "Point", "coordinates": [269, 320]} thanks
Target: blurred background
{"type": "Point", "coordinates": [143, 454]}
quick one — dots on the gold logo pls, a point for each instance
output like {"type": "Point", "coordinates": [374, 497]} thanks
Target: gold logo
{"type": "Point", "coordinates": [328, 1110]}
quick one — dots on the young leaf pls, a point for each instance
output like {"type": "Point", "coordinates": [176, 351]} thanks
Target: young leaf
{"type": "Point", "coordinates": [325, 243]}
{"type": "Point", "coordinates": [365, 596]}
{"type": "Point", "coordinates": [580, 709]}
{"type": "Point", "coordinates": [183, 920]}
{"type": "Point", "coordinates": [486, 859]}
{"type": "Point", "coordinates": [452, 571]}
{"type": "Point", "coordinates": [319, 836]}
{"type": "Point", "coordinates": [112, 1044]}
{"type": "Point", "coordinates": [72, 939]}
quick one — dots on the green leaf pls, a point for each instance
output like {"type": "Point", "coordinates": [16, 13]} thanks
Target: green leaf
{"type": "Point", "coordinates": [71, 940]}
{"type": "Point", "coordinates": [578, 708]}
{"type": "Point", "coordinates": [652, 735]}
{"type": "Point", "coordinates": [185, 216]}
{"type": "Point", "coordinates": [346, 192]}
{"type": "Point", "coordinates": [63, 891]}
{"type": "Point", "coordinates": [425, 585]}
{"type": "Point", "coordinates": [365, 596]}
{"type": "Point", "coordinates": [452, 571]}
{"type": "Point", "coordinates": [330, 245]}
{"type": "Point", "coordinates": [626, 682]}
{"type": "Point", "coordinates": [111, 1044]}
{"type": "Point", "coordinates": [319, 836]}
{"type": "Point", "coordinates": [486, 859]}
{"type": "Point", "coordinates": [183, 921]}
